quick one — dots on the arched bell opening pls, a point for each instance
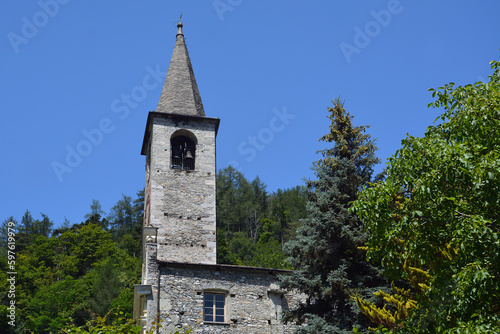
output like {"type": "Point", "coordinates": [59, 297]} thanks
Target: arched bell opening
{"type": "Point", "coordinates": [183, 147]}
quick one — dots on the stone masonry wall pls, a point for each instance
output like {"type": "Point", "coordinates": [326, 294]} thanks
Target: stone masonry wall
{"type": "Point", "coordinates": [182, 203]}
{"type": "Point", "coordinates": [254, 303]}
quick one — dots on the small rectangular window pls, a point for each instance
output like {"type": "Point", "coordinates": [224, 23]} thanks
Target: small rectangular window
{"type": "Point", "coordinates": [214, 307]}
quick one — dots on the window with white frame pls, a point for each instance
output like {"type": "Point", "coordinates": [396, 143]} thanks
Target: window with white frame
{"type": "Point", "coordinates": [214, 306]}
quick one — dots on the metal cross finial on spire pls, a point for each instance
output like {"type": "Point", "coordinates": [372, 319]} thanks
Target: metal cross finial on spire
{"type": "Point", "coordinates": [179, 26]}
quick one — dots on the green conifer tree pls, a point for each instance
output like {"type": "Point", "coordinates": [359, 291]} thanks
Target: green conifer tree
{"type": "Point", "coordinates": [328, 265]}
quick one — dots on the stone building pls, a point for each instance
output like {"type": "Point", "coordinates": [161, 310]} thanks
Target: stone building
{"type": "Point", "coordinates": [181, 280]}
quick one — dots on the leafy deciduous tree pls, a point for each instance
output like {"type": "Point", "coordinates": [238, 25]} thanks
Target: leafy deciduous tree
{"type": "Point", "coordinates": [438, 210]}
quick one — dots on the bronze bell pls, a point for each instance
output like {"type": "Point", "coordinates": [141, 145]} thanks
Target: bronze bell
{"type": "Point", "coordinates": [189, 155]}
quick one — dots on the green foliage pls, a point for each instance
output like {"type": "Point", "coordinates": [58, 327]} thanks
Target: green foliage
{"type": "Point", "coordinates": [328, 265]}
{"type": "Point", "coordinates": [64, 278]}
{"type": "Point", "coordinates": [121, 216]}
{"type": "Point", "coordinates": [224, 255]}
{"type": "Point", "coordinates": [120, 325]}
{"type": "Point", "coordinates": [101, 325]}
{"type": "Point", "coordinates": [52, 306]}
{"type": "Point", "coordinates": [401, 302]}
{"type": "Point", "coordinates": [95, 270]}
{"type": "Point", "coordinates": [126, 220]}
{"type": "Point", "coordinates": [4, 235]}
{"type": "Point", "coordinates": [242, 246]}
{"type": "Point", "coordinates": [286, 208]}
{"type": "Point", "coordinates": [253, 224]}
{"type": "Point", "coordinates": [239, 202]}
{"type": "Point", "coordinates": [268, 249]}
{"type": "Point", "coordinates": [438, 208]}
{"type": "Point", "coordinates": [106, 286]}
{"type": "Point", "coordinates": [95, 209]}
{"type": "Point", "coordinates": [28, 229]}
{"type": "Point", "coordinates": [269, 254]}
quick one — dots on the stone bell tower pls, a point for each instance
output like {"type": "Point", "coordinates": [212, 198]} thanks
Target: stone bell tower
{"type": "Point", "coordinates": [182, 284]}
{"type": "Point", "coordinates": [179, 144]}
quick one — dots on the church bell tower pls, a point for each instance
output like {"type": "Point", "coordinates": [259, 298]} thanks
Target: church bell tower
{"type": "Point", "coordinates": [182, 284]}
{"type": "Point", "coordinates": [179, 145]}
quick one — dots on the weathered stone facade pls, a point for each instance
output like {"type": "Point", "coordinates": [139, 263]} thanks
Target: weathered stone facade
{"type": "Point", "coordinates": [181, 280]}
{"type": "Point", "coordinates": [181, 203]}
{"type": "Point", "coordinates": [253, 301]}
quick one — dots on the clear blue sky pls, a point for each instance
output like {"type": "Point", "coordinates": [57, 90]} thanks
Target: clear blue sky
{"type": "Point", "coordinates": [67, 66]}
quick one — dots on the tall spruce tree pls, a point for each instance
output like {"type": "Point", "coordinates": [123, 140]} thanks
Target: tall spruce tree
{"type": "Point", "coordinates": [328, 266]}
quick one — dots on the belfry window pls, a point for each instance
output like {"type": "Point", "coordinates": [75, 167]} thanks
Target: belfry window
{"type": "Point", "coordinates": [214, 307]}
{"type": "Point", "coordinates": [183, 153]}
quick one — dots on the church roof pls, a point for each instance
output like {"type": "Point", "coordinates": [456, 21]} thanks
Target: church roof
{"type": "Point", "coordinates": [180, 93]}
{"type": "Point", "coordinates": [225, 267]}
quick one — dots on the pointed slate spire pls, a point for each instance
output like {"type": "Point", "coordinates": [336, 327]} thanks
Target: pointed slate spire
{"type": "Point", "coordinates": [180, 93]}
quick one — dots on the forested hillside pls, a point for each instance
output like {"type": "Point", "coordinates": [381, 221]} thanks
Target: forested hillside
{"type": "Point", "coordinates": [253, 225]}
{"type": "Point", "coordinates": [429, 226]}
{"type": "Point", "coordinates": [66, 275]}
{"type": "Point", "coordinates": [69, 274]}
